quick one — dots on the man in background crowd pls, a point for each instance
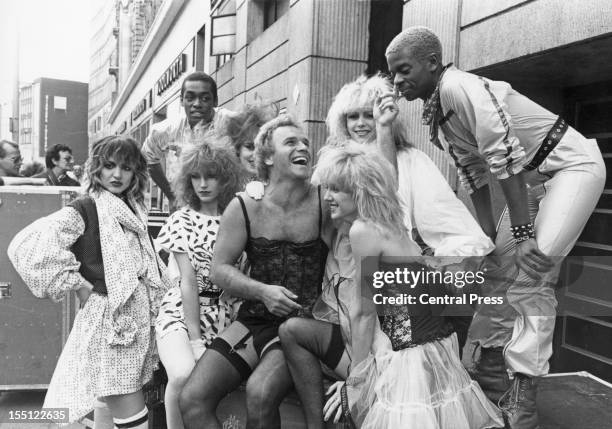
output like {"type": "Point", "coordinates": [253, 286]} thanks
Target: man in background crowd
{"type": "Point", "coordinates": [59, 162]}
{"type": "Point", "coordinates": [10, 159]}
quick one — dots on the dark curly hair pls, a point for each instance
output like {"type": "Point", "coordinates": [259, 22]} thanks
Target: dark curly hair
{"type": "Point", "coordinates": [123, 151]}
{"type": "Point", "coordinates": [208, 160]}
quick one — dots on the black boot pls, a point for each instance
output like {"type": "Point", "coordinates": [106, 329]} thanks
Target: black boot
{"type": "Point", "coordinates": [490, 373]}
{"type": "Point", "coordinates": [518, 404]}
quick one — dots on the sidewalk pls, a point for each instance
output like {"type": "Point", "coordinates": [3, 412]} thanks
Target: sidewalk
{"type": "Point", "coordinates": [567, 401]}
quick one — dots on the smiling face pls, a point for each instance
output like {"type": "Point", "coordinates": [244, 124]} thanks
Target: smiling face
{"type": "Point", "coordinates": [361, 125]}
{"type": "Point", "coordinates": [116, 178]}
{"type": "Point", "coordinates": [246, 155]}
{"type": "Point", "coordinates": [198, 101]}
{"type": "Point", "coordinates": [413, 77]}
{"type": "Point", "coordinates": [292, 152]}
{"type": "Point", "coordinates": [341, 204]}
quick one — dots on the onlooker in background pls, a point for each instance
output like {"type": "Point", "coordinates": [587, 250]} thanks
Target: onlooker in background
{"type": "Point", "coordinates": [241, 128]}
{"type": "Point", "coordinates": [169, 137]}
{"type": "Point", "coordinates": [31, 168]}
{"type": "Point", "coordinates": [59, 161]}
{"type": "Point", "coordinates": [10, 159]}
{"type": "Point", "coordinates": [77, 171]}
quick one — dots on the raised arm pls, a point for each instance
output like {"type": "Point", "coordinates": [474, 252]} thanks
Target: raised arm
{"type": "Point", "coordinates": [385, 112]}
{"type": "Point", "coordinates": [231, 242]}
{"type": "Point", "coordinates": [153, 149]}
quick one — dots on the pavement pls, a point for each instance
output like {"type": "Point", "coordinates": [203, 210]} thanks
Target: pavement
{"type": "Point", "coordinates": [569, 401]}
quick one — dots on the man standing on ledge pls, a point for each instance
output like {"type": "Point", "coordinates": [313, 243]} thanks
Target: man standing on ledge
{"type": "Point", "coordinates": [551, 177]}
{"type": "Point", "coordinates": [167, 138]}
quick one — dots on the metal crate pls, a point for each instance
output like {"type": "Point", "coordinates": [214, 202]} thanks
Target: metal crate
{"type": "Point", "coordinates": [32, 330]}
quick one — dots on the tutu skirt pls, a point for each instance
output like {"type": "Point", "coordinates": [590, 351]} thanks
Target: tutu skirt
{"type": "Point", "coordinates": [423, 387]}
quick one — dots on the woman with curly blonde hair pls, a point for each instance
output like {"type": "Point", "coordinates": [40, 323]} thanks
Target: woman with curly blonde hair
{"type": "Point", "coordinates": [194, 313]}
{"type": "Point", "coordinates": [99, 247]}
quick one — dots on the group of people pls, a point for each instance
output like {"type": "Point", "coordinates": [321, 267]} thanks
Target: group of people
{"type": "Point", "coordinates": [267, 286]}
{"type": "Point", "coordinates": [59, 164]}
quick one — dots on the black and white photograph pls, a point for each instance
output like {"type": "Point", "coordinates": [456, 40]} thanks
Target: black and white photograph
{"type": "Point", "coordinates": [305, 214]}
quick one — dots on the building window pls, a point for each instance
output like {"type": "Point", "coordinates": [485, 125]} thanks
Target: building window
{"type": "Point", "coordinates": [222, 59]}
{"type": "Point", "coordinates": [59, 103]}
{"type": "Point", "coordinates": [273, 10]}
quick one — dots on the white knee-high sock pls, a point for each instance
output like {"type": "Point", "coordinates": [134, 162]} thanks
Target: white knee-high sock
{"type": "Point", "coordinates": [139, 420]}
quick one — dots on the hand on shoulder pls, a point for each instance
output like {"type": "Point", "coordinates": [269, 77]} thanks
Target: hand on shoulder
{"type": "Point", "coordinates": [255, 190]}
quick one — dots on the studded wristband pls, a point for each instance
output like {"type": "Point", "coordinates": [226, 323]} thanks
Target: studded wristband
{"type": "Point", "coordinates": [522, 232]}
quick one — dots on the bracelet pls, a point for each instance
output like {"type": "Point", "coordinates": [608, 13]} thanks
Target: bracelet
{"type": "Point", "coordinates": [522, 232]}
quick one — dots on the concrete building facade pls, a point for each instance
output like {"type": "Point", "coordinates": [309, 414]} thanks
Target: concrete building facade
{"type": "Point", "coordinates": [174, 47]}
{"type": "Point", "coordinates": [53, 111]}
{"type": "Point", "coordinates": [119, 28]}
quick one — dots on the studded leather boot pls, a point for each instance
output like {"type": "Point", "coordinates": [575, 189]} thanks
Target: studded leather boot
{"type": "Point", "coordinates": [518, 404]}
{"type": "Point", "coordinates": [490, 373]}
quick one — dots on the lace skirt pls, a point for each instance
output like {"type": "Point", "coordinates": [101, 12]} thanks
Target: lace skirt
{"type": "Point", "coordinates": [423, 387]}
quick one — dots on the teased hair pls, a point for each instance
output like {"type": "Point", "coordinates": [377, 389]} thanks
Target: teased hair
{"type": "Point", "coordinates": [263, 142]}
{"type": "Point", "coordinates": [421, 41]}
{"type": "Point", "coordinates": [3, 150]}
{"type": "Point", "coordinates": [54, 154]}
{"type": "Point", "coordinates": [359, 95]}
{"type": "Point", "coordinates": [366, 175]}
{"type": "Point", "coordinates": [202, 77]}
{"type": "Point", "coordinates": [242, 126]}
{"type": "Point", "coordinates": [122, 150]}
{"type": "Point", "coordinates": [208, 161]}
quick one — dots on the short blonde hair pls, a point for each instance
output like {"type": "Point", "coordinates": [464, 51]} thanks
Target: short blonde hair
{"type": "Point", "coordinates": [366, 175]}
{"type": "Point", "coordinates": [359, 95]}
{"type": "Point", "coordinates": [263, 142]}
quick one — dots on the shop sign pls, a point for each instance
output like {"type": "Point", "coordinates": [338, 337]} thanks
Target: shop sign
{"type": "Point", "coordinates": [172, 73]}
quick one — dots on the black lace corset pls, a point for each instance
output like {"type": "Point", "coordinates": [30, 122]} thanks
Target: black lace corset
{"type": "Point", "coordinates": [297, 266]}
{"type": "Point", "coordinates": [408, 325]}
